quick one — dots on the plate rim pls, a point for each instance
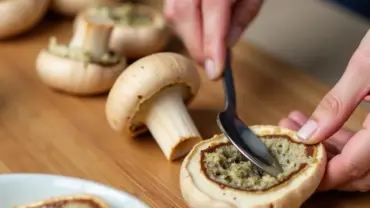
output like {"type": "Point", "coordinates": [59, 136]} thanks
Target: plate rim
{"type": "Point", "coordinates": [71, 178]}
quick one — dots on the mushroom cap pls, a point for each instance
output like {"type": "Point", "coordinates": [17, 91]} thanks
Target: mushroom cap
{"type": "Point", "coordinates": [88, 199]}
{"type": "Point", "coordinates": [73, 7]}
{"type": "Point", "coordinates": [19, 16]}
{"type": "Point", "coordinates": [135, 42]}
{"type": "Point", "coordinates": [199, 191]}
{"type": "Point", "coordinates": [141, 81]}
{"type": "Point", "coordinates": [73, 77]}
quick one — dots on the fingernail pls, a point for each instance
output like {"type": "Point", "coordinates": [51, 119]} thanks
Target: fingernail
{"type": "Point", "coordinates": [234, 35]}
{"type": "Point", "coordinates": [307, 130]}
{"type": "Point", "coordinates": [209, 66]}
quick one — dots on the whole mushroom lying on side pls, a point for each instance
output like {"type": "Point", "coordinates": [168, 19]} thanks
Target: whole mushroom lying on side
{"type": "Point", "coordinates": [215, 174]}
{"type": "Point", "coordinates": [73, 7]}
{"type": "Point", "coordinates": [152, 93]}
{"type": "Point", "coordinates": [139, 29]}
{"type": "Point", "coordinates": [86, 65]}
{"type": "Point", "coordinates": [18, 16]}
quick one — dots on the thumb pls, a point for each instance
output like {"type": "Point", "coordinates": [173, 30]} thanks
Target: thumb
{"type": "Point", "coordinates": [329, 116]}
{"type": "Point", "coordinates": [340, 102]}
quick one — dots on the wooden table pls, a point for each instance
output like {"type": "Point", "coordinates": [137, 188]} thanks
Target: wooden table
{"type": "Point", "coordinates": [48, 132]}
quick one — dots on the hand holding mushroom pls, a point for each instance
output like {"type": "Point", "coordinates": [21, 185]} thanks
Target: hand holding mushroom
{"type": "Point", "coordinates": [139, 30]}
{"type": "Point", "coordinates": [18, 16]}
{"type": "Point", "coordinates": [152, 93]}
{"type": "Point", "coordinates": [86, 65]}
{"type": "Point", "coordinates": [215, 174]}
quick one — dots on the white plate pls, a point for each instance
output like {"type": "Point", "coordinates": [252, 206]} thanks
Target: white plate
{"type": "Point", "coordinates": [19, 189]}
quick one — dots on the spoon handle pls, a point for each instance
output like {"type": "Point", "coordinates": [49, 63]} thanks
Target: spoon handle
{"type": "Point", "coordinates": [228, 80]}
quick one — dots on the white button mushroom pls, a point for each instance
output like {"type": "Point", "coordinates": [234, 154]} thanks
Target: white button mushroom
{"type": "Point", "coordinates": [215, 174]}
{"type": "Point", "coordinates": [152, 93]}
{"type": "Point", "coordinates": [73, 7]}
{"type": "Point", "coordinates": [140, 30]}
{"type": "Point", "coordinates": [86, 65]}
{"type": "Point", "coordinates": [18, 16]}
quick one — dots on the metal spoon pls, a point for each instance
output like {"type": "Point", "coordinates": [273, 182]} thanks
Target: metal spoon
{"type": "Point", "coordinates": [238, 133]}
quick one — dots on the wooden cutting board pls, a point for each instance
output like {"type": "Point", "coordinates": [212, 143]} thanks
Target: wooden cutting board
{"type": "Point", "coordinates": [45, 131]}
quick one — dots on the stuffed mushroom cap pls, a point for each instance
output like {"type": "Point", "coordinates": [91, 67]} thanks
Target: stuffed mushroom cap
{"type": "Point", "coordinates": [73, 7]}
{"type": "Point", "coordinates": [214, 175]}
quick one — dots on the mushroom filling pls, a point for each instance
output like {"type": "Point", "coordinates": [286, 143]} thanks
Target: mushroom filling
{"type": "Point", "coordinates": [127, 14]}
{"type": "Point", "coordinates": [225, 165]}
{"type": "Point", "coordinates": [80, 54]}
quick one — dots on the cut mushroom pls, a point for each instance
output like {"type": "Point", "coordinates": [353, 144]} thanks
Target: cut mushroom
{"type": "Point", "coordinates": [152, 93]}
{"type": "Point", "coordinates": [86, 65]}
{"type": "Point", "coordinates": [140, 30]}
{"type": "Point", "coordinates": [75, 201]}
{"type": "Point", "coordinates": [215, 174]}
{"type": "Point", "coordinates": [73, 7]}
{"type": "Point", "coordinates": [20, 16]}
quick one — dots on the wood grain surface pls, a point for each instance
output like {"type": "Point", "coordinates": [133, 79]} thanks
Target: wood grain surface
{"type": "Point", "coordinates": [43, 131]}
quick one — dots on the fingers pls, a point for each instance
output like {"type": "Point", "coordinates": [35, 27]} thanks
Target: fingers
{"type": "Point", "coordinates": [339, 138]}
{"type": "Point", "coordinates": [244, 11]}
{"type": "Point", "coordinates": [293, 125]}
{"type": "Point", "coordinates": [223, 27]}
{"type": "Point", "coordinates": [352, 163]}
{"type": "Point", "coordinates": [362, 184]}
{"type": "Point", "coordinates": [204, 27]}
{"type": "Point", "coordinates": [185, 16]}
{"type": "Point", "coordinates": [290, 124]}
{"type": "Point", "coordinates": [367, 98]}
{"type": "Point", "coordinates": [341, 101]}
{"type": "Point", "coordinates": [216, 17]}
{"type": "Point", "coordinates": [333, 145]}
{"type": "Point", "coordinates": [345, 171]}
{"type": "Point", "coordinates": [299, 117]}
{"type": "Point", "coordinates": [294, 121]}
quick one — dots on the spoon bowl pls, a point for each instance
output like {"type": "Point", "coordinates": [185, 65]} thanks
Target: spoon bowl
{"type": "Point", "coordinates": [246, 142]}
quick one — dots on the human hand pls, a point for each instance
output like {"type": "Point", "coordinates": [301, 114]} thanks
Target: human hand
{"type": "Point", "coordinates": [335, 147]}
{"type": "Point", "coordinates": [349, 152]}
{"type": "Point", "coordinates": [207, 26]}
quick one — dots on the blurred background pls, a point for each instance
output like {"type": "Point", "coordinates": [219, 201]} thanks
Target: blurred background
{"type": "Point", "coordinates": [318, 37]}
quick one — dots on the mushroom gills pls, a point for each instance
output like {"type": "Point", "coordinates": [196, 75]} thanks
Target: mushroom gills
{"type": "Point", "coordinates": [168, 120]}
{"type": "Point", "coordinates": [89, 44]}
{"type": "Point", "coordinates": [225, 165]}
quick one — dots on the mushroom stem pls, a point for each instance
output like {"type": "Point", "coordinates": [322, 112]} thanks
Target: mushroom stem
{"type": "Point", "coordinates": [170, 124]}
{"type": "Point", "coordinates": [92, 34]}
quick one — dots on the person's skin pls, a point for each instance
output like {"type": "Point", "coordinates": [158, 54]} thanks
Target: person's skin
{"type": "Point", "coordinates": [207, 27]}
{"type": "Point", "coordinates": [349, 166]}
